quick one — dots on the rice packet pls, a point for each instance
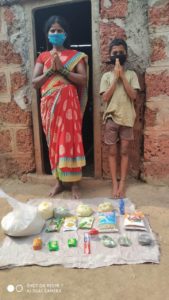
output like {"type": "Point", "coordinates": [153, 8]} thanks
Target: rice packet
{"type": "Point", "coordinates": [107, 222]}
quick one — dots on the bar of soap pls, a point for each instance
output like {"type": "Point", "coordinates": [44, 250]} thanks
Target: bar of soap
{"type": "Point", "coordinates": [53, 245]}
{"type": "Point", "coordinates": [37, 244]}
{"type": "Point", "coordinates": [72, 242]}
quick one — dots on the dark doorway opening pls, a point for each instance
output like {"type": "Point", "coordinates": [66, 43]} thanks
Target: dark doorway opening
{"type": "Point", "coordinates": [78, 16]}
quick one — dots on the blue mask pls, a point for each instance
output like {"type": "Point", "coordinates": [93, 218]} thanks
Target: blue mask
{"type": "Point", "coordinates": [57, 39]}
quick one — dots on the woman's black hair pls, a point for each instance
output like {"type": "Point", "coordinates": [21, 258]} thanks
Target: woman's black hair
{"type": "Point", "coordinates": [62, 22]}
{"type": "Point", "coordinates": [118, 42]}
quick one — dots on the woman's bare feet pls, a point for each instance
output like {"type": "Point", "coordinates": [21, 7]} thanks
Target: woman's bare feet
{"type": "Point", "coordinates": [58, 188]}
{"type": "Point", "coordinates": [121, 189]}
{"type": "Point", "coordinates": [76, 191]}
{"type": "Point", "coordinates": [115, 189]}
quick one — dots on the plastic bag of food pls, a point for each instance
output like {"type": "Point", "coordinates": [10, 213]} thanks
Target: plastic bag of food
{"type": "Point", "coordinates": [61, 212]}
{"type": "Point", "coordinates": [24, 220]}
{"type": "Point", "coordinates": [46, 210]}
{"type": "Point", "coordinates": [108, 241]}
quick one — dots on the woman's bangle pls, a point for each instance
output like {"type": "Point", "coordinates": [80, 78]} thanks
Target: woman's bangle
{"type": "Point", "coordinates": [49, 73]}
{"type": "Point", "coordinates": [64, 71]}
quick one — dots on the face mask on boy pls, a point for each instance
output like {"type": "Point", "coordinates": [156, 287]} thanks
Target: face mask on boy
{"type": "Point", "coordinates": [57, 39]}
{"type": "Point", "coordinates": [121, 57]}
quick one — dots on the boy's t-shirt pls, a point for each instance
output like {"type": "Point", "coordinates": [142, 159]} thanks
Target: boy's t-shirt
{"type": "Point", "coordinates": [120, 107]}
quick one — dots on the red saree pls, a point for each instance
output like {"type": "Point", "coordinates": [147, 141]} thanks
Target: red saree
{"type": "Point", "coordinates": [62, 119]}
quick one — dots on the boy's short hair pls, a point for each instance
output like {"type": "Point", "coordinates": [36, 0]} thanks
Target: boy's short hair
{"type": "Point", "coordinates": [117, 42]}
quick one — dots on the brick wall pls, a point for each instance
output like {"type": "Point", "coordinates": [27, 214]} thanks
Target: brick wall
{"type": "Point", "coordinates": [156, 145]}
{"type": "Point", "coordinates": [16, 136]}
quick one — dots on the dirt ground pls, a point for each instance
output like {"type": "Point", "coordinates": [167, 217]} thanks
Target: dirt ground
{"type": "Point", "coordinates": [130, 282]}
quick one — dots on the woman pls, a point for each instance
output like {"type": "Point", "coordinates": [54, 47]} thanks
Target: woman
{"type": "Point", "coordinates": [62, 76]}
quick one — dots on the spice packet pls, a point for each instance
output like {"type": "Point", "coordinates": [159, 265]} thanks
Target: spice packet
{"type": "Point", "coordinates": [55, 224]}
{"type": "Point", "coordinates": [124, 241]}
{"type": "Point", "coordinates": [85, 223]}
{"type": "Point", "coordinates": [70, 224]}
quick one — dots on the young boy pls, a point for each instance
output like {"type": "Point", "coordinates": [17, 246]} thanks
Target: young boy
{"type": "Point", "coordinates": [119, 90]}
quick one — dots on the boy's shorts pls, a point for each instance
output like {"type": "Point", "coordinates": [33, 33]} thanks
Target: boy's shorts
{"type": "Point", "coordinates": [113, 132]}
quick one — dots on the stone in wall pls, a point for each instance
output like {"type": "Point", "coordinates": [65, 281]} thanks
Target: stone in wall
{"type": "Point", "coordinates": [150, 117]}
{"type": "Point", "coordinates": [9, 16]}
{"type": "Point", "coordinates": [156, 172]}
{"type": "Point", "coordinates": [16, 165]}
{"type": "Point", "coordinates": [3, 83]}
{"type": "Point", "coordinates": [157, 83]}
{"type": "Point", "coordinates": [158, 49]}
{"type": "Point", "coordinates": [11, 113]}
{"type": "Point", "coordinates": [157, 113]}
{"type": "Point", "coordinates": [24, 140]}
{"type": "Point", "coordinates": [159, 15]}
{"type": "Point", "coordinates": [5, 141]}
{"type": "Point", "coordinates": [7, 54]}
{"type": "Point", "coordinates": [113, 8]}
{"type": "Point", "coordinates": [156, 147]}
{"type": "Point", "coordinates": [18, 80]}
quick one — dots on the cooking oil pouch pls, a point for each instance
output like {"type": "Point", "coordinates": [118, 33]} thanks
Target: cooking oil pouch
{"type": "Point", "coordinates": [124, 241]}
{"type": "Point", "coordinates": [85, 223]}
{"type": "Point", "coordinates": [107, 241]}
{"type": "Point", "coordinates": [70, 224]}
{"type": "Point", "coordinates": [145, 239]}
{"type": "Point", "coordinates": [55, 224]}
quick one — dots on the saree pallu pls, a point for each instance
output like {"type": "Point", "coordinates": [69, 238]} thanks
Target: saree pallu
{"type": "Point", "coordinates": [62, 124]}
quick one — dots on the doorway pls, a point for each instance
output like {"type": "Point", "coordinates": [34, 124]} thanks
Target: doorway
{"type": "Point", "coordinates": [78, 16]}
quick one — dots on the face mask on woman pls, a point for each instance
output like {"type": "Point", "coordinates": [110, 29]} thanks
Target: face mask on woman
{"type": "Point", "coordinates": [57, 39]}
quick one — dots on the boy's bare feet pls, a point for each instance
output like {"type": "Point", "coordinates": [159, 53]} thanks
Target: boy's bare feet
{"type": "Point", "coordinates": [121, 189]}
{"type": "Point", "coordinates": [76, 191]}
{"type": "Point", "coordinates": [115, 189]}
{"type": "Point", "coordinates": [58, 188]}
